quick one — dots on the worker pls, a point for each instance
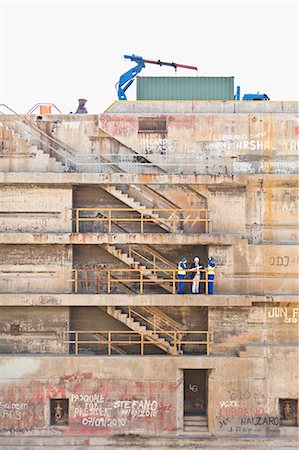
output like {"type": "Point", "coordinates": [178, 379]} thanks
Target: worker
{"type": "Point", "coordinates": [211, 275]}
{"type": "Point", "coordinates": [195, 269]}
{"type": "Point", "coordinates": [182, 267]}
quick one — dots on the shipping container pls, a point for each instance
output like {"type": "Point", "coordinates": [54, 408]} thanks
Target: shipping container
{"type": "Point", "coordinates": [185, 88]}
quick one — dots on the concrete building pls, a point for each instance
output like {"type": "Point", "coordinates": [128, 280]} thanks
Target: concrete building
{"type": "Point", "coordinates": [97, 348]}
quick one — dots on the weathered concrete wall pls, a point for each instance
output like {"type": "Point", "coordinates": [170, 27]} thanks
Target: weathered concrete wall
{"type": "Point", "coordinates": [33, 329]}
{"type": "Point", "coordinates": [35, 268]}
{"type": "Point", "coordinates": [235, 327]}
{"type": "Point", "coordinates": [212, 143]}
{"type": "Point", "coordinates": [256, 269]}
{"type": "Point", "coordinates": [18, 155]}
{"type": "Point", "coordinates": [35, 209]}
{"type": "Point", "coordinates": [107, 397]}
{"type": "Point", "coordinates": [272, 211]}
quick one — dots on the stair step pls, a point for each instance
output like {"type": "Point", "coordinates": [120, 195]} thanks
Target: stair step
{"type": "Point", "coordinates": [196, 418]}
{"type": "Point", "coordinates": [196, 433]}
{"type": "Point", "coordinates": [189, 423]}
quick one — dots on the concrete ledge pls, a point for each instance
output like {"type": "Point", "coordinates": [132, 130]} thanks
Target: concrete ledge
{"type": "Point", "coordinates": [118, 178]}
{"type": "Point", "coordinates": [49, 299]}
{"type": "Point", "coordinates": [119, 238]}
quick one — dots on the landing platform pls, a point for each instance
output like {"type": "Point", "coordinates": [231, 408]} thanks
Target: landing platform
{"type": "Point", "coordinates": [226, 300]}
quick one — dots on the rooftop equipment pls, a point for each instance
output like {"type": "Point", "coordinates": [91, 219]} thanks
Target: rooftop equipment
{"type": "Point", "coordinates": [127, 78]}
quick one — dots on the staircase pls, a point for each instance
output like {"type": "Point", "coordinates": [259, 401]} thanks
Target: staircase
{"type": "Point", "coordinates": [137, 206]}
{"type": "Point", "coordinates": [134, 264]}
{"type": "Point", "coordinates": [196, 426]}
{"type": "Point", "coordinates": [135, 325]}
{"type": "Point", "coordinates": [19, 156]}
{"type": "Point", "coordinates": [114, 347]}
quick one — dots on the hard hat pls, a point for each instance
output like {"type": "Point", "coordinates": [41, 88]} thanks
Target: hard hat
{"type": "Point", "coordinates": [184, 258]}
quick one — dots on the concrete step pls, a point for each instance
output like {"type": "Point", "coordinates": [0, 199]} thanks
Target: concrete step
{"type": "Point", "coordinates": [184, 441]}
{"type": "Point", "coordinates": [188, 423]}
{"type": "Point", "coordinates": [195, 419]}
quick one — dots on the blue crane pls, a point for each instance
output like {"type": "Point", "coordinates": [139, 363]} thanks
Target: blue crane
{"type": "Point", "coordinates": [127, 78]}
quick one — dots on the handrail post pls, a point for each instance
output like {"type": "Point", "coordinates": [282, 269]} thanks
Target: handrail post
{"type": "Point", "coordinates": [141, 224]}
{"type": "Point", "coordinates": [130, 316]}
{"type": "Point", "coordinates": [109, 220]}
{"type": "Point", "coordinates": [155, 262]}
{"type": "Point", "coordinates": [76, 342]}
{"type": "Point", "coordinates": [207, 283]}
{"type": "Point", "coordinates": [142, 344]}
{"type": "Point", "coordinates": [130, 251]}
{"type": "Point", "coordinates": [173, 281]}
{"type": "Point", "coordinates": [76, 281]}
{"type": "Point", "coordinates": [175, 343]}
{"type": "Point", "coordinates": [108, 281]}
{"type": "Point", "coordinates": [174, 221]}
{"type": "Point", "coordinates": [109, 343]}
{"type": "Point", "coordinates": [141, 282]}
{"type": "Point", "coordinates": [154, 324]}
{"type": "Point", "coordinates": [208, 343]}
{"type": "Point", "coordinates": [77, 219]}
{"type": "Point", "coordinates": [86, 280]}
{"type": "Point", "coordinates": [207, 230]}
{"type": "Point", "coordinates": [98, 282]}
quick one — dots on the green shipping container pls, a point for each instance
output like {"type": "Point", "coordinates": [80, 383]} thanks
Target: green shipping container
{"type": "Point", "coordinates": [185, 88]}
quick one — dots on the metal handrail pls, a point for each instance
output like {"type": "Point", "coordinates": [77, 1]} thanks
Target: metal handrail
{"type": "Point", "coordinates": [168, 321]}
{"type": "Point", "coordinates": [157, 255]}
{"type": "Point", "coordinates": [144, 216]}
{"type": "Point", "coordinates": [63, 146]}
{"type": "Point", "coordinates": [143, 338]}
{"type": "Point", "coordinates": [152, 263]}
{"type": "Point", "coordinates": [141, 278]}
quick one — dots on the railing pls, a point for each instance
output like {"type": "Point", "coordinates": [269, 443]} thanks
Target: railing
{"type": "Point", "coordinates": [110, 215]}
{"type": "Point", "coordinates": [155, 319]}
{"type": "Point", "coordinates": [103, 279]}
{"type": "Point", "coordinates": [64, 152]}
{"type": "Point", "coordinates": [140, 338]}
{"type": "Point", "coordinates": [156, 257]}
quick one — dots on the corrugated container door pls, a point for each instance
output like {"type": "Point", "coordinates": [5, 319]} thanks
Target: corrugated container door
{"type": "Point", "coordinates": [185, 88]}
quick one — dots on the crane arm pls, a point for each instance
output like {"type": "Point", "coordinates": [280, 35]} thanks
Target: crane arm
{"type": "Point", "coordinates": [127, 78]}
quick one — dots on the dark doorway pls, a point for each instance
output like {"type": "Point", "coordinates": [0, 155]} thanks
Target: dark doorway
{"type": "Point", "coordinates": [195, 392]}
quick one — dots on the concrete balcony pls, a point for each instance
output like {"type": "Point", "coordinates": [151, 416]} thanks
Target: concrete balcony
{"type": "Point", "coordinates": [56, 299]}
{"type": "Point", "coordinates": [120, 238]}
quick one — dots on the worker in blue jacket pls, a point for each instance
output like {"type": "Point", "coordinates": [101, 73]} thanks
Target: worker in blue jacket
{"type": "Point", "coordinates": [211, 274]}
{"type": "Point", "coordinates": [182, 268]}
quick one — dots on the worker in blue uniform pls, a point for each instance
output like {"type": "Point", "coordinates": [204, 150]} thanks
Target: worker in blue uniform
{"type": "Point", "coordinates": [182, 268]}
{"type": "Point", "coordinates": [211, 275]}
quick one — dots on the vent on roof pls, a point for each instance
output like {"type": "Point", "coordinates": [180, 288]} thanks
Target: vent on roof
{"type": "Point", "coordinates": [152, 125]}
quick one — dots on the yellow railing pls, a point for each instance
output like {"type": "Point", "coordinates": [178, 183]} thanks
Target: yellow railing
{"type": "Point", "coordinates": [177, 340]}
{"type": "Point", "coordinates": [106, 277]}
{"type": "Point", "coordinates": [154, 320]}
{"type": "Point", "coordinates": [152, 263]}
{"type": "Point", "coordinates": [113, 215]}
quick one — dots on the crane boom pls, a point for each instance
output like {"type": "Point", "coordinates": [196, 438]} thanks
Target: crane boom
{"type": "Point", "coordinates": [127, 78]}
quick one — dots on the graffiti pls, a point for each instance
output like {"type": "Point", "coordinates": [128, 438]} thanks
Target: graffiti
{"type": "Point", "coordinates": [288, 314]}
{"type": "Point", "coordinates": [193, 387]}
{"type": "Point", "coordinates": [247, 425]}
{"type": "Point", "coordinates": [239, 395]}
{"type": "Point", "coordinates": [158, 146]}
{"type": "Point", "coordinates": [279, 261]}
{"type": "Point", "coordinates": [284, 261]}
{"type": "Point", "coordinates": [94, 411]}
{"type": "Point", "coordinates": [224, 422]}
{"type": "Point", "coordinates": [12, 410]}
{"type": "Point", "coordinates": [240, 411]}
{"type": "Point", "coordinates": [228, 404]}
{"type": "Point", "coordinates": [265, 420]}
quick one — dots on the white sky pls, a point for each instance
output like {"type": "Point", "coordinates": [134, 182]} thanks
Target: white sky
{"type": "Point", "coordinates": [59, 51]}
